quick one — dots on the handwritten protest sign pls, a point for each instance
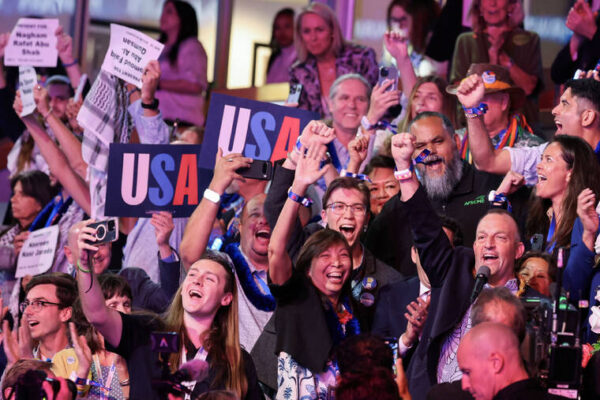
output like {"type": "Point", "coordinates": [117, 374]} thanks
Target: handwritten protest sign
{"type": "Point", "coordinates": [263, 131]}
{"type": "Point", "coordinates": [153, 177]}
{"type": "Point", "coordinates": [32, 43]}
{"type": "Point", "coordinates": [128, 53]}
{"type": "Point", "coordinates": [37, 253]}
{"type": "Point", "coordinates": [27, 80]}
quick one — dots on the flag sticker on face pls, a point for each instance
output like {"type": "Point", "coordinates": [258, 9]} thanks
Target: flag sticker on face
{"type": "Point", "coordinates": [488, 77]}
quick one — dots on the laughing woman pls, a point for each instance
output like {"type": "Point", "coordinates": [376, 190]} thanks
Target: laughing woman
{"type": "Point", "coordinates": [314, 308]}
{"type": "Point", "coordinates": [563, 210]}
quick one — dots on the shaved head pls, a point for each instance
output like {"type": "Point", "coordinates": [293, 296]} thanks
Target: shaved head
{"type": "Point", "coordinates": [489, 358]}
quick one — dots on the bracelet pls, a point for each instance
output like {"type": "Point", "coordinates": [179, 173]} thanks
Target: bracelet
{"type": "Point", "coordinates": [75, 61]}
{"type": "Point", "coordinates": [348, 174]}
{"type": "Point", "coordinates": [305, 201]}
{"type": "Point", "coordinates": [80, 268]}
{"type": "Point", "coordinates": [132, 91]}
{"type": "Point", "coordinates": [475, 112]}
{"type": "Point", "coordinates": [47, 114]}
{"type": "Point", "coordinates": [404, 175]}
{"type": "Point", "coordinates": [211, 196]}
{"type": "Point", "coordinates": [499, 200]}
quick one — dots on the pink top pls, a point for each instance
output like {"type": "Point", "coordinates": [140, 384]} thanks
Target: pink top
{"type": "Point", "coordinates": [191, 66]}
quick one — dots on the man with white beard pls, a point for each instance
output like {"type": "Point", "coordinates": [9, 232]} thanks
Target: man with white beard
{"type": "Point", "coordinates": [454, 187]}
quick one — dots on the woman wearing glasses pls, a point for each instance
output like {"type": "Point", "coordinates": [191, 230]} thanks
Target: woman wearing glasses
{"type": "Point", "coordinates": [346, 206]}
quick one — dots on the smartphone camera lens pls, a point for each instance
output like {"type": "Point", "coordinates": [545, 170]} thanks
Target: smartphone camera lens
{"type": "Point", "coordinates": [384, 72]}
{"type": "Point", "coordinates": [100, 232]}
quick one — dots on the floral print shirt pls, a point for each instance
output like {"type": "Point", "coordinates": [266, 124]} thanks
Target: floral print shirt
{"type": "Point", "coordinates": [351, 59]}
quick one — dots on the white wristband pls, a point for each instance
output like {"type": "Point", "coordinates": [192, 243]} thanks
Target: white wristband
{"type": "Point", "coordinates": [211, 195]}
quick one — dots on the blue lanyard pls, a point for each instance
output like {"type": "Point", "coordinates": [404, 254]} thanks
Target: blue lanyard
{"type": "Point", "coordinates": [550, 246]}
{"type": "Point", "coordinates": [261, 282]}
{"type": "Point", "coordinates": [41, 215]}
{"type": "Point", "coordinates": [597, 151]}
{"type": "Point", "coordinates": [57, 206]}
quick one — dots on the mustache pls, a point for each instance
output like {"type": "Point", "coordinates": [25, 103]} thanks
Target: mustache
{"type": "Point", "coordinates": [430, 159]}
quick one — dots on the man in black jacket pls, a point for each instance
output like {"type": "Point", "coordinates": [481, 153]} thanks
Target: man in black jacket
{"type": "Point", "coordinates": [450, 272]}
{"type": "Point", "coordinates": [454, 188]}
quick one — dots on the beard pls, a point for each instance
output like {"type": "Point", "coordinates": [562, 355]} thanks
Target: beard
{"type": "Point", "coordinates": [439, 187]}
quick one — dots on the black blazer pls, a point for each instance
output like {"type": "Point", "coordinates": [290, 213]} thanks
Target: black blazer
{"type": "Point", "coordinates": [450, 273]}
{"type": "Point", "coordinates": [389, 313]}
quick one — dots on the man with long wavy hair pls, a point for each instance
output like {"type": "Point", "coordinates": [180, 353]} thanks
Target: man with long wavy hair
{"type": "Point", "coordinates": [203, 314]}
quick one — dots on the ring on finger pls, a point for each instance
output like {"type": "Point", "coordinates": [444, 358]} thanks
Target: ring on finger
{"type": "Point", "coordinates": [229, 159]}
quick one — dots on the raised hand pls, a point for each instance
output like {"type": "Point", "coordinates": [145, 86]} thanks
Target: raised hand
{"type": "Point", "coordinates": [85, 234]}
{"type": "Point", "coordinates": [11, 343]}
{"type": "Point", "coordinates": [511, 183]}
{"type": "Point", "coordinates": [470, 91]}
{"type": "Point", "coordinates": [494, 50]}
{"type": "Point", "coordinates": [357, 149]}
{"type": "Point", "coordinates": [162, 221]}
{"type": "Point", "coordinates": [72, 110]}
{"type": "Point", "coordinates": [397, 45]}
{"type": "Point", "coordinates": [309, 170]}
{"type": "Point", "coordinates": [416, 317]}
{"type": "Point", "coordinates": [381, 101]}
{"type": "Point", "coordinates": [403, 146]}
{"type": "Point", "coordinates": [316, 131]}
{"type": "Point", "coordinates": [42, 99]}
{"type": "Point", "coordinates": [82, 351]}
{"type": "Point", "coordinates": [150, 80]}
{"type": "Point", "coordinates": [586, 211]}
{"type": "Point", "coordinates": [224, 172]}
{"type": "Point", "coordinates": [581, 20]}
{"type": "Point", "coordinates": [64, 45]}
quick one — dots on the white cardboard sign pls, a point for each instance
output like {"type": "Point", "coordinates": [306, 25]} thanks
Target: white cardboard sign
{"type": "Point", "coordinates": [32, 43]}
{"type": "Point", "coordinates": [128, 54]}
{"type": "Point", "coordinates": [27, 81]}
{"type": "Point", "coordinates": [37, 254]}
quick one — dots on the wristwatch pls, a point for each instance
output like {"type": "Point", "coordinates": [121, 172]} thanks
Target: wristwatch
{"type": "Point", "coordinates": [151, 106]}
{"type": "Point", "coordinates": [211, 195]}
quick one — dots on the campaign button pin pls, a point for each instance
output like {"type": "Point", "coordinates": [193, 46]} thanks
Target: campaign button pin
{"type": "Point", "coordinates": [369, 283]}
{"type": "Point", "coordinates": [367, 299]}
{"type": "Point", "coordinates": [488, 77]}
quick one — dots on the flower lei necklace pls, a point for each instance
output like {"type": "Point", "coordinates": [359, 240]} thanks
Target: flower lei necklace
{"type": "Point", "coordinates": [260, 300]}
{"type": "Point", "coordinates": [341, 324]}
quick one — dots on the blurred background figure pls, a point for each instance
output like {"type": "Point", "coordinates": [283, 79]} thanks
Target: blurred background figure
{"type": "Point", "coordinates": [283, 53]}
{"type": "Point", "coordinates": [183, 66]}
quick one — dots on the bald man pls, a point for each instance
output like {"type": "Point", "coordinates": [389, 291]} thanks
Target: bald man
{"type": "Point", "coordinates": [489, 359]}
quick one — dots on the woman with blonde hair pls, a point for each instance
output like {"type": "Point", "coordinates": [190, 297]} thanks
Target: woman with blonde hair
{"type": "Point", "coordinates": [323, 55]}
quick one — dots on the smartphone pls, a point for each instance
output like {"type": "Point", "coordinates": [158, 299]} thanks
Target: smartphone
{"type": "Point", "coordinates": [164, 342]}
{"type": "Point", "coordinates": [259, 169]}
{"type": "Point", "coordinates": [295, 91]}
{"type": "Point", "coordinates": [388, 73]}
{"type": "Point", "coordinates": [106, 231]}
{"type": "Point", "coordinates": [393, 343]}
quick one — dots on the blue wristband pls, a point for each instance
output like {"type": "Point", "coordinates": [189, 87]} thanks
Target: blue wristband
{"type": "Point", "coordinates": [362, 177]}
{"type": "Point", "coordinates": [305, 201]}
{"type": "Point", "coordinates": [479, 110]}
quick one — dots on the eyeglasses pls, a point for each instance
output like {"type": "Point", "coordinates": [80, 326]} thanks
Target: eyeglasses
{"type": "Point", "coordinates": [36, 305]}
{"type": "Point", "coordinates": [339, 208]}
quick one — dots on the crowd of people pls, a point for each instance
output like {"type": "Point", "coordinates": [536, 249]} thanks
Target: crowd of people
{"type": "Point", "coordinates": [407, 246]}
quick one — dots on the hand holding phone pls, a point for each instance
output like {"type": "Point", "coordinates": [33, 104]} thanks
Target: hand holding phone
{"type": "Point", "coordinates": [259, 169]}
